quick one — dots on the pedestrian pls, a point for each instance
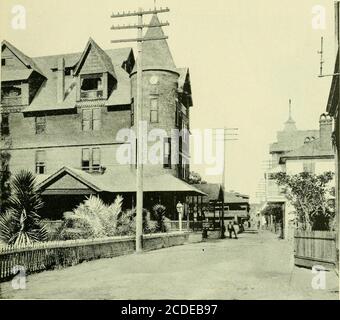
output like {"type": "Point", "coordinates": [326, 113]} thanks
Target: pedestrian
{"type": "Point", "coordinates": [236, 229]}
{"type": "Point", "coordinates": [231, 230]}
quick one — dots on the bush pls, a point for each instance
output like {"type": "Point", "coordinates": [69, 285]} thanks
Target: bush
{"type": "Point", "coordinates": [162, 225]}
{"type": "Point", "coordinates": [91, 219]}
{"type": "Point", "coordinates": [126, 224]}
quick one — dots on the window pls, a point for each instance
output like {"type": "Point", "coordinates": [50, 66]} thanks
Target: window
{"type": "Point", "coordinates": [8, 61]}
{"type": "Point", "coordinates": [167, 153]}
{"type": "Point", "coordinates": [96, 159]}
{"type": "Point", "coordinates": [85, 159]}
{"type": "Point", "coordinates": [90, 160]}
{"type": "Point", "coordinates": [132, 112]}
{"type": "Point", "coordinates": [90, 84]}
{"type": "Point", "coordinates": [68, 72]}
{"type": "Point", "coordinates": [154, 110]}
{"type": "Point", "coordinates": [11, 92]}
{"type": "Point", "coordinates": [178, 115]}
{"type": "Point", "coordinates": [96, 119]}
{"type": "Point", "coordinates": [40, 158]}
{"type": "Point", "coordinates": [91, 119]}
{"type": "Point", "coordinates": [309, 166]}
{"type": "Point", "coordinates": [5, 124]}
{"type": "Point", "coordinates": [40, 125]}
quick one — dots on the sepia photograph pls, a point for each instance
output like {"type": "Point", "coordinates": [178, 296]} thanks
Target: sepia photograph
{"type": "Point", "coordinates": [157, 150]}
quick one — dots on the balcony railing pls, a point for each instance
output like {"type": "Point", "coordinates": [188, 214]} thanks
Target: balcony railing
{"type": "Point", "coordinates": [11, 101]}
{"type": "Point", "coordinates": [91, 95]}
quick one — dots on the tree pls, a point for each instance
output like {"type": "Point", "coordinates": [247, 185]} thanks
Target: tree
{"type": "Point", "coordinates": [274, 210]}
{"type": "Point", "coordinates": [195, 178]}
{"type": "Point", "coordinates": [308, 194]}
{"type": "Point", "coordinates": [20, 224]}
{"type": "Point", "coordinates": [5, 188]}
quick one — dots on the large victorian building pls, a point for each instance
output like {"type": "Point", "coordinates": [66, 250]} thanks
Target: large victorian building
{"type": "Point", "coordinates": [63, 117]}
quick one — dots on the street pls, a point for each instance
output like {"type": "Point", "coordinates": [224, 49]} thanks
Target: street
{"type": "Point", "coordinates": [256, 266]}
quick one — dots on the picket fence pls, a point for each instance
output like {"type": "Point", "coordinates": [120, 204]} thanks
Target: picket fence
{"type": "Point", "coordinates": [59, 254]}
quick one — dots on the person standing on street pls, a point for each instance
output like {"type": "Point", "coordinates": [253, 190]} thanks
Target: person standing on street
{"type": "Point", "coordinates": [236, 229]}
{"type": "Point", "coordinates": [231, 230]}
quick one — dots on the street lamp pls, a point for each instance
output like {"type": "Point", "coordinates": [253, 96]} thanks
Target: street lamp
{"type": "Point", "coordinates": [179, 208]}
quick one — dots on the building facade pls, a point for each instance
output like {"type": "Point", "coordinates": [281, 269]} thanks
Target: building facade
{"type": "Point", "coordinates": [298, 151]}
{"type": "Point", "coordinates": [77, 111]}
{"type": "Point", "coordinates": [333, 110]}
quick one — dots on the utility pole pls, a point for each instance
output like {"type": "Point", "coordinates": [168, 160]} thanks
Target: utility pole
{"type": "Point", "coordinates": [227, 136]}
{"type": "Point", "coordinates": [335, 74]}
{"type": "Point", "coordinates": [139, 112]}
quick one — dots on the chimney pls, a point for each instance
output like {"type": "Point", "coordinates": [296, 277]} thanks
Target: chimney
{"type": "Point", "coordinates": [61, 80]}
{"type": "Point", "coordinates": [325, 131]}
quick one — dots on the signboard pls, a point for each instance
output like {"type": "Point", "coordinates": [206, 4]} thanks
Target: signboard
{"type": "Point", "coordinates": [208, 225]}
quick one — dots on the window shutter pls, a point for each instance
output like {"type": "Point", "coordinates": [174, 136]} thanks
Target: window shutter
{"type": "Point", "coordinates": [97, 118]}
{"type": "Point", "coordinates": [40, 156]}
{"type": "Point", "coordinates": [154, 110]}
{"type": "Point", "coordinates": [96, 157]}
{"type": "Point", "coordinates": [86, 155]}
{"type": "Point", "coordinates": [87, 115]}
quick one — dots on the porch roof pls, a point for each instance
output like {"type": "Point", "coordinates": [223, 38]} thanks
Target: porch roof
{"type": "Point", "coordinates": [121, 180]}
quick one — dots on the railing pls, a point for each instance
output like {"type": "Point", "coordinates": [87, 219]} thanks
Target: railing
{"type": "Point", "coordinates": [193, 225]}
{"type": "Point", "coordinates": [91, 95]}
{"type": "Point", "coordinates": [11, 101]}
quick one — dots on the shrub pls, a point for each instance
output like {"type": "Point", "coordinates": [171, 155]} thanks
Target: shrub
{"type": "Point", "coordinates": [159, 216]}
{"type": "Point", "coordinates": [126, 224]}
{"type": "Point", "coordinates": [91, 219]}
{"type": "Point", "coordinates": [20, 224]}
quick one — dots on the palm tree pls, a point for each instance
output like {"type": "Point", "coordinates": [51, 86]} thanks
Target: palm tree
{"type": "Point", "coordinates": [20, 224]}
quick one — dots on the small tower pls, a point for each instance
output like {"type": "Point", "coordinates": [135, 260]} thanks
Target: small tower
{"type": "Point", "coordinates": [160, 83]}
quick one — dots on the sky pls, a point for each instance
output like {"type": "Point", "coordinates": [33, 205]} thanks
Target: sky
{"type": "Point", "coordinates": [246, 58]}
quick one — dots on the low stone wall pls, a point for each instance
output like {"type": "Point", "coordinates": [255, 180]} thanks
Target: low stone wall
{"type": "Point", "coordinates": [165, 240]}
{"type": "Point", "coordinates": [60, 254]}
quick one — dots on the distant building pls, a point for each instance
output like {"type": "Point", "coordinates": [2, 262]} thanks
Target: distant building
{"type": "Point", "coordinates": [290, 138]}
{"type": "Point", "coordinates": [236, 205]}
{"type": "Point", "coordinates": [315, 155]}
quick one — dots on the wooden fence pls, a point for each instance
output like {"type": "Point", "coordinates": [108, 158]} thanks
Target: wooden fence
{"type": "Point", "coordinates": [315, 248]}
{"type": "Point", "coordinates": [59, 254]}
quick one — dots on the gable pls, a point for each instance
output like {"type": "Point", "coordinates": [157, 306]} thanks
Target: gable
{"type": "Point", "coordinates": [11, 60]}
{"type": "Point", "coordinates": [67, 182]}
{"type": "Point", "coordinates": [92, 63]}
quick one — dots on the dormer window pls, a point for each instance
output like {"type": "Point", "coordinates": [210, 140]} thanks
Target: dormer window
{"type": "Point", "coordinates": [11, 94]}
{"type": "Point", "coordinates": [3, 62]}
{"type": "Point", "coordinates": [91, 86]}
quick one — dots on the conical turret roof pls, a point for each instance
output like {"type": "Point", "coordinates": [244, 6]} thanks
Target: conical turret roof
{"type": "Point", "coordinates": [156, 53]}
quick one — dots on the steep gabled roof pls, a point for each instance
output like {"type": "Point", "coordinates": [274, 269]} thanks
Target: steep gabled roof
{"type": "Point", "coordinates": [156, 53]}
{"type": "Point", "coordinates": [27, 61]}
{"type": "Point", "coordinates": [91, 44]}
{"type": "Point", "coordinates": [46, 97]}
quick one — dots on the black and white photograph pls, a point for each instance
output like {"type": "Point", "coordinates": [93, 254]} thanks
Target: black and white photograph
{"type": "Point", "coordinates": [159, 150]}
